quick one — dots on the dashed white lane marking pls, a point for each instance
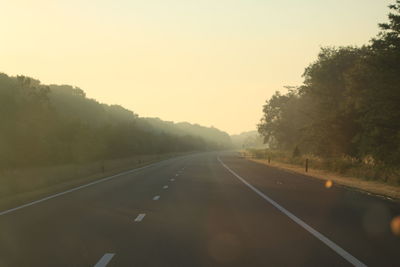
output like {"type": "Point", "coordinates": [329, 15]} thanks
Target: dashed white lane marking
{"type": "Point", "coordinates": [165, 186]}
{"type": "Point", "coordinates": [156, 198]}
{"type": "Point", "coordinates": [350, 258]}
{"type": "Point", "coordinates": [177, 174]}
{"type": "Point", "coordinates": [75, 189]}
{"type": "Point", "coordinates": [140, 217]}
{"type": "Point", "coordinates": [105, 260]}
{"type": "Point", "coordinates": [172, 179]}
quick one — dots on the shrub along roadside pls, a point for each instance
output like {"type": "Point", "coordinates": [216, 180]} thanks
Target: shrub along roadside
{"type": "Point", "coordinates": [344, 166]}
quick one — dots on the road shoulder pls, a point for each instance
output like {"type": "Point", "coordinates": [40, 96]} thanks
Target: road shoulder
{"type": "Point", "coordinates": [369, 187]}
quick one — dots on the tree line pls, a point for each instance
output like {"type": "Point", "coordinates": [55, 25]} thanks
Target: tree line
{"type": "Point", "coordinates": [56, 124]}
{"type": "Point", "coordinates": [348, 104]}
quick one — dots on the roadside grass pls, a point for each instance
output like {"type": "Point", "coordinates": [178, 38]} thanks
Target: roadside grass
{"type": "Point", "coordinates": [24, 185]}
{"type": "Point", "coordinates": [363, 175]}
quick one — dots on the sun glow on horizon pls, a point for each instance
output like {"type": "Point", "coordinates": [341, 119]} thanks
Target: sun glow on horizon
{"type": "Point", "coordinates": [207, 62]}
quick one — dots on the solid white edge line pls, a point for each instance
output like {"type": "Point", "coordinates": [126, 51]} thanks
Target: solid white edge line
{"type": "Point", "coordinates": [347, 256]}
{"type": "Point", "coordinates": [140, 217]}
{"type": "Point", "coordinates": [75, 189]}
{"type": "Point", "coordinates": [105, 260]}
{"type": "Point", "coordinates": [156, 198]}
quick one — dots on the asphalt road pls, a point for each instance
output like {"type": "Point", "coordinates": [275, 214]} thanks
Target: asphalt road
{"type": "Point", "coordinates": [211, 209]}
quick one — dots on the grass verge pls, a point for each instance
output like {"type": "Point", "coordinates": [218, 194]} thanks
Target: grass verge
{"type": "Point", "coordinates": [21, 186]}
{"type": "Point", "coordinates": [362, 180]}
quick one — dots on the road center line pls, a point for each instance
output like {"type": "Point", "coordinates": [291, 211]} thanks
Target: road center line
{"type": "Point", "coordinates": [165, 186]}
{"type": "Point", "coordinates": [105, 260]}
{"type": "Point", "coordinates": [347, 256]}
{"type": "Point", "coordinates": [156, 198]}
{"type": "Point", "coordinates": [76, 188]}
{"type": "Point", "coordinates": [140, 217]}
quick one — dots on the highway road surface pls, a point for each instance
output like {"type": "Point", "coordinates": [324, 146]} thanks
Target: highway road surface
{"type": "Point", "coordinates": [209, 209]}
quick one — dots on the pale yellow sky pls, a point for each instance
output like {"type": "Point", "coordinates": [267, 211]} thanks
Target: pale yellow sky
{"type": "Point", "coordinates": [212, 62]}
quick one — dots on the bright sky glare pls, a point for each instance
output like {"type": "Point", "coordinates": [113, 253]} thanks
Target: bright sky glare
{"type": "Point", "coordinates": [212, 62]}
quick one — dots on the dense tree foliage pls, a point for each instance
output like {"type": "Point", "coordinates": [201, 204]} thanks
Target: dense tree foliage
{"type": "Point", "coordinates": [214, 137]}
{"type": "Point", "coordinates": [46, 125]}
{"type": "Point", "coordinates": [349, 103]}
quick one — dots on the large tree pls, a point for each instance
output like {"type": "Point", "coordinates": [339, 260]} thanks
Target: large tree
{"type": "Point", "coordinates": [349, 103]}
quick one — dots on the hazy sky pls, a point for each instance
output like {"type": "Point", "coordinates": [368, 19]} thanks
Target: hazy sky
{"type": "Point", "coordinates": [212, 62]}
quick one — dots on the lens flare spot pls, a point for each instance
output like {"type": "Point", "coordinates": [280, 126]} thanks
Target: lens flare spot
{"type": "Point", "coordinates": [395, 225]}
{"type": "Point", "coordinates": [328, 184]}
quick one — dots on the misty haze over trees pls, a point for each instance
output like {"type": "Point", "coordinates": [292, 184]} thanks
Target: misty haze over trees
{"type": "Point", "coordinates": [57, 124]}
{"type": "Point", "coordinates": [214, 137]}
{"type": "Point", "coordinates": [349, 103]}
{"type": "Point", "coordinates": [249, 139]}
